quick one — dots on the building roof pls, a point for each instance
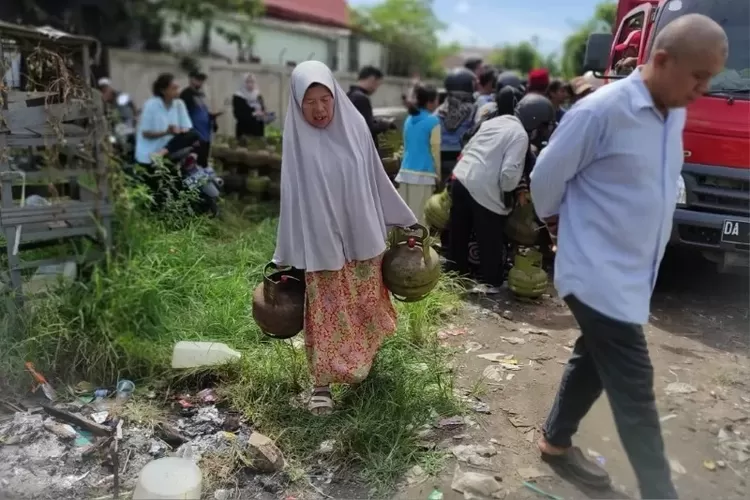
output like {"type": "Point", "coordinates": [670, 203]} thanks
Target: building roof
{"type": "Point", "coordinates": [326, 12]}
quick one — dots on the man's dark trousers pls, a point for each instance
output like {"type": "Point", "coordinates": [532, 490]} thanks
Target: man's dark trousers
{"type": "Point", "coordinates": [613, 356]}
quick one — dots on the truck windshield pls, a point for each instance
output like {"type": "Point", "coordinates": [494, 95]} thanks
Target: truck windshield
{"type": "Point", "coordinates": [734, 17]}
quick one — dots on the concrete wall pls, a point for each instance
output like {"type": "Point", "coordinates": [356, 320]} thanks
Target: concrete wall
{"type": "Point", "coordinates": [277, 42]}
{"type": "Point", "coordinates": [134, 72]}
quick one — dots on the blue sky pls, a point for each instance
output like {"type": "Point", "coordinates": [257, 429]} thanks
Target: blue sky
{"type": "Point", "coordinates": [496, 22]}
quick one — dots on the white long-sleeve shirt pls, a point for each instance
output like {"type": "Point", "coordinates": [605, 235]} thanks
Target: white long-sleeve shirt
{"type": "Point", "coordinates": [492, 162]}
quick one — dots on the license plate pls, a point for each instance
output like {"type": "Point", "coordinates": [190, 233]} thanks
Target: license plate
{"type": "Point", "coordinates": [736, 231]}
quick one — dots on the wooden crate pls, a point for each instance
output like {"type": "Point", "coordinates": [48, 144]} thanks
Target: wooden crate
{"type": "Point", "coordinates": [30, 121]}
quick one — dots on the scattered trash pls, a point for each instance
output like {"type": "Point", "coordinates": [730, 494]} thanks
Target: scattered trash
{"type": "Point", "coordinates": [494, 373]}
{"type": "Point", "coordinates": [222, 494]}
{"type": "Point", "coordinates": [263, 454]}
{"type": "Point", "coordinates": [680, 388]}
{"type": "Point", "coordinates": [100, 416]}
{"type": "Point", "coordinates": [101, 393]}
{"type": "Point", "coordinates": [451, 332]}
{"type": "Point", "coordinates": [435, 495]}
{"type": "Point", "coordinates": [47, 389]}
{"type": "Point", "coordinates": [63, 431]}
{"type": "Point", "coordinates": [415, 475]}
{"type": "Point", "coordinates": [709, 464]}
{"type": "Point", "coordinates": [480, 407]}
{"type": "Point", "coordinates": [472, 346]}
{"type": "Point", "coordinates": [124, 390]}
{"type": "Point", "coordinates": [534, 331]}
{"type": "Point", "coordinates": [530, 435]}
{"type": "Point", "coordinates": [476, 485]}
{"type": "Point", "coordinates": [451, 423]}
{"type": "Point", "coordinates": [596, 456]}
{"type": "Point", "coordinates": [530, 473]}
{"type": "Point", "coordinates": [666, 418]}
{"type": "Point", "coordinates": [194, 354]}
{"type": "Point", "coordinates": [732, 447]}
{"type": "Point", "coordinates": [513, 340]}
{"type": "Point", "coordinates": [495, 357]}
{"type": "Point", "coordinates": [474, 454]}
{"type": "Point", "coordinates": [507, 315]}
{"type": "Point", "coordinates": [327, 446]}
{"type": "Point", "coordinates": [676, 467]}
{"type": "Point", "coordinates": [537, 489]}
{"type": "Point", "coordinates": [207, 396]}
{"type": "Point", "coordinates": [185, 480]}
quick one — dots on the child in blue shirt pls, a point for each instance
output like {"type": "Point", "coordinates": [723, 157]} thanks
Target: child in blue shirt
{"type": "Point", "coordinates": [420, 166]}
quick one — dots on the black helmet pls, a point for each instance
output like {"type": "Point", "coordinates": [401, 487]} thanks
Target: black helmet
{"type": "Point", "coordinates": [508, 79]}
{"type": "Point", "coordinates": [460, 80]}
{"type": "Point", "coordinates": [535, 110]}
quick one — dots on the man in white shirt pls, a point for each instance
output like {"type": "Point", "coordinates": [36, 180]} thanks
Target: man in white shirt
{"type": "Point", "coordinates": [490, 168]}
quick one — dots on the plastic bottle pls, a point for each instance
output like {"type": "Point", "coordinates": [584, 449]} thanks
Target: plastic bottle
{"type": "Point", "coordinates": [194, 354]}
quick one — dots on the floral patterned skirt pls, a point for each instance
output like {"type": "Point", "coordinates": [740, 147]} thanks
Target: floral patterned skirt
{"type": "Point", "coordinates": [348, 313]}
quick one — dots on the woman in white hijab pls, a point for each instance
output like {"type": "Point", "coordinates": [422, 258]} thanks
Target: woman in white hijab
{"type": "Point", "coordinates": [336, 205]}
{"type": "Point", "coordinates": [249, 109]}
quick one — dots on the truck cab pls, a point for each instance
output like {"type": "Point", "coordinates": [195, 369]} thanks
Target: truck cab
{"type": "Point", "coordinates": [713, 208]}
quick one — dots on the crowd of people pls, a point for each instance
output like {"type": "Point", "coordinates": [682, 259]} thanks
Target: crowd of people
{"type": "Point", "coordinates": [600, 165]}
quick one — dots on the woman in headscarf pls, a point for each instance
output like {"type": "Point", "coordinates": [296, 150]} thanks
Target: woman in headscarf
{"type": "Point", "coordinates": [249, 109]}
{"type": "Point", "coordinates": [336, 205]}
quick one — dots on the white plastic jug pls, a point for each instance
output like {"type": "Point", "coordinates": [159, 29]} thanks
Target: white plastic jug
{"type": "Point", "coordinates": [193, 354]}
{"type": "Point", "coordinates": [169, 478]}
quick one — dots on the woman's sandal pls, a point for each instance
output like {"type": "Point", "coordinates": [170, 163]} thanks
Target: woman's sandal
{"type": "Point", "coordinates": [321, 401]}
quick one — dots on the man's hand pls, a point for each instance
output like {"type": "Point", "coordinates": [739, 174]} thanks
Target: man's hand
{"type": "Point", "coordinates": [173, 130]}
{"type": "Point", "coordinates": [551, 223]}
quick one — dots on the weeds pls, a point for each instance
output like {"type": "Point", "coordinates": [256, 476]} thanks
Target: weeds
{"type": "Point", "coordinates": [173, 279]}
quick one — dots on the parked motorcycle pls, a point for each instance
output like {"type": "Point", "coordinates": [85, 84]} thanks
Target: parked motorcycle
{"type": "Point", "coordinates": [202, 180]}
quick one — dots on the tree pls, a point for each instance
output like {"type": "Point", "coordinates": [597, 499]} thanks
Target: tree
{"type": "Point", "coordinates": [131, 23]}
{"type": "Point", "coordinates": [523, 57]}
{"type": "Point", "coordinates": [409, 28]}
{"type": "Point", "coordinates": [574, 47]}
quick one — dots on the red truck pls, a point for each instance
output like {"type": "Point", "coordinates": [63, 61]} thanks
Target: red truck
{"type": "Point", "coordinates": [713, 208]}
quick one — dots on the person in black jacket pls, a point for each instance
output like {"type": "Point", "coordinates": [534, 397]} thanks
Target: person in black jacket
{"type": "Point", "coordinates": [204, 121]}
{"type": "Point", "coordinates": [368, 81]}
{"type": "Point", "coordinates": [249, 109]}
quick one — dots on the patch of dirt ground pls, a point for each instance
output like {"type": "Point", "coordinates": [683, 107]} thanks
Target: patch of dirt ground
{"type": "Point", "coordinates": [698, 340]}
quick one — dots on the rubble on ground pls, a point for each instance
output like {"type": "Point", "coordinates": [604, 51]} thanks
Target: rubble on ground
{"type": "Point", "coordinates": [87, 450]}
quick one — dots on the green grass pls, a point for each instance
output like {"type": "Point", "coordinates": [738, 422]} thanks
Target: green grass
{"type": "Point", "coordinates": [174, 279]}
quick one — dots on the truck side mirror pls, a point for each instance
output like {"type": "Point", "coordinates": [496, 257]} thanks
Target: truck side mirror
{"type": "Point", "coordinates": [597, 52]}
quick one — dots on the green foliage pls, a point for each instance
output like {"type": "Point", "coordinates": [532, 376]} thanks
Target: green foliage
{"type": "Point", "coordinates": [176, 277]}
{"type": "Point", "coordinates": [574, 47]}
{"type": "Point", "coordinates": [409, 28]}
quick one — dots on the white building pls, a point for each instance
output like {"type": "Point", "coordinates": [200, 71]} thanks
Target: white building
{"type": "Point", "coordinates": [290, 31]}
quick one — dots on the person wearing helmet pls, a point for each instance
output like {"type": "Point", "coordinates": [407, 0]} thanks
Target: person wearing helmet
{"type": "Point", "coordinates": [509, 79]}
{"type": "Point", "coordinates": [456, 116]}
{"type": "Point", "coordinates": [485, 178]}
{"type": "Point", "coordinates": [505, 80]}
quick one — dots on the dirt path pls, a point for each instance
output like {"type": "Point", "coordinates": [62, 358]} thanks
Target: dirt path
{"type": "Point", "coordinates": [698, 335]}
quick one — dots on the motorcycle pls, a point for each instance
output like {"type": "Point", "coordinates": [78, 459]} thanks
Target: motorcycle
{"type": "Point", "coordinates": [202, 180]}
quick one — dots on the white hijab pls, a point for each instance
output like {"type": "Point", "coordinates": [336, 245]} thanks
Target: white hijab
{"type": "Point", "coordinates": [336, 199]}
{"type": "Point", "coordinates": [252, 97]}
